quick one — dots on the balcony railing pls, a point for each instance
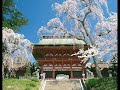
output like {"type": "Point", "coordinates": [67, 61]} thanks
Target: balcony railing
{"type": "Point", "coordinates": [59, 59]}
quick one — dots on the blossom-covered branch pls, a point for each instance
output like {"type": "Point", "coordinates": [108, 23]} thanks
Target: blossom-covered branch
{"type": "Point", "coordinates": [15, 47]}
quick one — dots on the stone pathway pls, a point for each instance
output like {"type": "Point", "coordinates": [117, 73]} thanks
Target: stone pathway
{"type": "Point", "coordinates": [62, 85]}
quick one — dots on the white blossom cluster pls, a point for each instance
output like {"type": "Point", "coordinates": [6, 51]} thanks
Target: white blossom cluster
{"type": "Point", "coordinates": [107, 42]}
{"type": "Point", "coordinates": [92, 51]}
{"type": "Point", "coordinates": [16, 48]}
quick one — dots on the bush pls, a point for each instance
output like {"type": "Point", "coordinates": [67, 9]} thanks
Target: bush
{"type": "Point", "coordinates": [35, 79]}
{"type": "Point", "coordinates": [27, 88]}
{"type": "Point", "coordinates": [32, 84]}
{"type": "Point", "coordinates": [102, 83]}
{"type": "Point", "coordinates": [91, 82]}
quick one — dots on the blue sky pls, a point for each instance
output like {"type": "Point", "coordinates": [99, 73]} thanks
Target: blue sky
{"type": "Point", "coordinates": [39, 12]}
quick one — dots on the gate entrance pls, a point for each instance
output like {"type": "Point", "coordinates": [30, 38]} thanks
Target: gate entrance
{"type": "Point", "coordinates": [62, 72]}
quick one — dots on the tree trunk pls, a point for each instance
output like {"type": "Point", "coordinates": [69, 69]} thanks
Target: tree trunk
{"type": "Point", "coordinates": [97, 67]}
{"type": "Point", "coordinates": [94, 57]}
{"type": "Point", "coordinates": [3, 71]}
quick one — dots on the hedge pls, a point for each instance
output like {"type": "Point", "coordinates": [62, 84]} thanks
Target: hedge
{"type": "Point", "coordinates": [109, 83]}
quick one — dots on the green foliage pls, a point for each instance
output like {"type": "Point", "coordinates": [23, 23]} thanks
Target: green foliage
{"type": "Point", "coordinates": [32, 68]}
{"type": "Point", "coordinates": [11, 17]}
{"type": "Point", "coordinates": [28, 71]}
{"type": "Point", "coordinates": [18, 84]}
{"type": "Point", "coordinates": [35, 79]}
{"type": "Point", "coordinates": [102, 83]}
{"type": "Point", "coordinates": [91, 82]}
{"type": "Point", "coordinates": [27, 88]}
{"type": "Point", "coordinates": [32, 84]}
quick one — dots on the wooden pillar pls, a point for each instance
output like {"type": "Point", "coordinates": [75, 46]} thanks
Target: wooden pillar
{"type": "Point", "coordinates": [53, 73]}
{"type": "Point", "coordinates": [62, 63]}
{"type": "Point", "coordinates": [83, 71]}
{"type": "Point", "coordinates": [41, 70]}
{"type": "Point", "coordinates": [71, 72]}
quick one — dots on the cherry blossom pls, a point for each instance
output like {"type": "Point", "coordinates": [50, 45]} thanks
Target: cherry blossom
{"type": "Point", "coordinates": [16, 48]}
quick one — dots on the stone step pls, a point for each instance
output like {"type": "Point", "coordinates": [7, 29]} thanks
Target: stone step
{"type": "Point", "coordinates": [62, 85]}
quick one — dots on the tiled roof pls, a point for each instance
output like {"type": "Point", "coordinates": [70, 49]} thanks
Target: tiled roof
{"type": "Point", "coordinates": [60, 41]}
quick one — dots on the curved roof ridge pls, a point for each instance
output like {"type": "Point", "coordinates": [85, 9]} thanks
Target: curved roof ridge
{"type": "Point", "coordinates": [51, 40]}
{"type": "Point", "coordinates": [51, 37]}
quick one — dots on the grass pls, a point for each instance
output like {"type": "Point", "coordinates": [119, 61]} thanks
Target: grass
{"type": "Point", "coordinates": [109, 83]}
{"type": "Point", "coordinates": [18, 84]}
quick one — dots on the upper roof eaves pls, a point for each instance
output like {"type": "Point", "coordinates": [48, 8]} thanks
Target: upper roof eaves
{"type": "Point", "coordinates": [50, 40]}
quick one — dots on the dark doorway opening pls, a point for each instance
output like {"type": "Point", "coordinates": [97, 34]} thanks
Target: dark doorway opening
{"type": "Point", "coordinates": [77, 74]}
{"type": "Point", "coordinates": [48, 74]}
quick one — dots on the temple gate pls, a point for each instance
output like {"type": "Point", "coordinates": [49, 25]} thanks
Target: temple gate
{"type": "Point", "coordinates": [53, 54]}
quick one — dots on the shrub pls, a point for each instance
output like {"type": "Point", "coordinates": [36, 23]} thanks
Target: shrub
{"type": "Point", "coordinates": [102, 83]}
{"type": "Point", "coordinates": [91, 82]}
{"type": "Point", "coordinates": [27, 88]}
{"type": "Point", "coordinates": [32, 84]}
{"type": "Point", "coordinates": [35, 79]}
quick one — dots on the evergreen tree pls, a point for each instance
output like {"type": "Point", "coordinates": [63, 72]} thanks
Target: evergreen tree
{"type": "Point", "coordinates": [32, 68]}
{"type": "Point", "coordinates": [28, 71]}
{"type": "Point", "coordinates": [11, 17]}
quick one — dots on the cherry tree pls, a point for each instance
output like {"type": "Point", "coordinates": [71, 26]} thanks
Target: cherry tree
{"type": "Point", "coordinates": [106, 35]}
{"type": "Point", "coordinates": [15, 49]}
{"type": "Point", "coordinates": [105, 39]}
{"type": "Point", "coordinates": [75, 18]}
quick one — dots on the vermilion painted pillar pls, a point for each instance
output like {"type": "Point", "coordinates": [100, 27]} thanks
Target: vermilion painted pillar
{"type": "Point", "coordinates": [62, 64]}
{"type": "Point", "coordinates": [41, 71]}
{"type": "Point", "coordinates": [53, 74]}
{"type": "Point", "coordinates": [83, 71]}
{"type": "Point", "coordinates": [71, 72]}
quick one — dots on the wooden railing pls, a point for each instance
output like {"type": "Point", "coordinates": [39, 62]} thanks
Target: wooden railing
{"type": "Point", "coordinates": [59, 59]}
